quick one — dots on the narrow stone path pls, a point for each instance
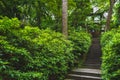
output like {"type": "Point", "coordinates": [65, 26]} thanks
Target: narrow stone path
{"type": "Point", "coordinates": [91, 67]}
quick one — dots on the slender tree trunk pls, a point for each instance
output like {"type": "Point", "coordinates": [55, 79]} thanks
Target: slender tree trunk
{"type": "Point", "coordinates": [64, 19]}
{"type": "Point", "coordinates": [112, 2]}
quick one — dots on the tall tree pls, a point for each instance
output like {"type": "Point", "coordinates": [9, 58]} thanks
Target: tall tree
{"type": "Point", "coordinates": [64, 18]}
{"type": "Point", "coordinates": [112, 2]}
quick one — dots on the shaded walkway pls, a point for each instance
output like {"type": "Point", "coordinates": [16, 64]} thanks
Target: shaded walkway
{"type": "Point", "coordinates": [91, 67]}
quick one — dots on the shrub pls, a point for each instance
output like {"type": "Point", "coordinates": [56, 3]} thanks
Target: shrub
{"type": "Point", "coordinates": [13, 62]}
{"type": "Point", "coordinates": [50, 51]}
{"type": "Point", "coordinates": [82, 42]}
{"type": "Point", "coordinates": [6, 25]}
{"type": "Point", "coordinates": [31, 53]}
{"type": "Point", "coordinates": [106, 37]}
{"type": "Point", "coordinates": [111, 55]}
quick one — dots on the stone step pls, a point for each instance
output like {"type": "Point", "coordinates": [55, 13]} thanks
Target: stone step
{"type": "Point", "coordinates": [83, 77]}
{"type": "Point", "coordinates": [93, 61]}
{"type": "Point", "coordinates": [84, 74]}
{"type": "Point", "coordinates": [92, 66]}
{"type": "Point", "coordinates": [87, 72]}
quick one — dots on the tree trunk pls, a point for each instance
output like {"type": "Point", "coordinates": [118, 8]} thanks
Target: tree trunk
{"type": "Point", "coordinates": [109, 14]}
{"type": "Point", "coordinates": [64, 19]}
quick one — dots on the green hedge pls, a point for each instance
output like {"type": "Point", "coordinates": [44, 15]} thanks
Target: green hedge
{"type": "Point", "coordinates": [32, 54]}
{"type": "Point", "coordinates": [110, 42]}
{"type": "Point", "coordinates": [82, 42]}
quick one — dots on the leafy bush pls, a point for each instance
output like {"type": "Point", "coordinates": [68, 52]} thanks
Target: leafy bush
{"type": "Point", "coordinates": [31, 53]}
{"type": "Point", "coordinates": [50, 51]}
{"type": "Point", "coordinates": [82, 42]}
{"type": "Point", "coordinates": [110, 42]}
{"type": "Point", "coordinates": [107, 36]}
{"type": "Point", "coordinates": [6, 25]}
{"type": "Point", "coordinates": [13, 62]}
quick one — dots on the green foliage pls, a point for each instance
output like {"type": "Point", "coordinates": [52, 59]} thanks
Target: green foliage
{"type": "Point", "coordinates": [10, 8]}
{"type": "Point", "coordinates": [110, 42]}
{"type": "Point", "coordinates": [80, 13]}
{"type": "Point", "coordinates": [106, 37]}
{"type": "Point", "coordinates": [49, 49]}
{"type": "Point", "coordinates": [7, 24]}
{"type": "Point", "coordinates": [94, 27]}
{"type": "Point", "coordinates": [17, 75]}
{"type": "Point", "coordinates": [43, 12]}
{"type": "Point", "coordinates": [116, 17]}
{"type": "Point", "coordinates": [31, 53]}
{"type": "Point", "coordinates": [82, 42]}
{"type": "Point", "coordinates": [13, 62]}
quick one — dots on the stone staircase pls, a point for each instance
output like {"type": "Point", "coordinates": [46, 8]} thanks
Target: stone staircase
{"type": "Point", "coordinates": [91, 67]}
{"type": "Point", "coordinates": [84, 74]}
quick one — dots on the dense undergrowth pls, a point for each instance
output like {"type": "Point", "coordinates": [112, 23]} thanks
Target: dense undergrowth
{"type": "Point", "coordinates": [110, 42]}
{"type": "Point", "coordinates": [32, 54]}
{"type": "Point", "coordinates": [82, 42]}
